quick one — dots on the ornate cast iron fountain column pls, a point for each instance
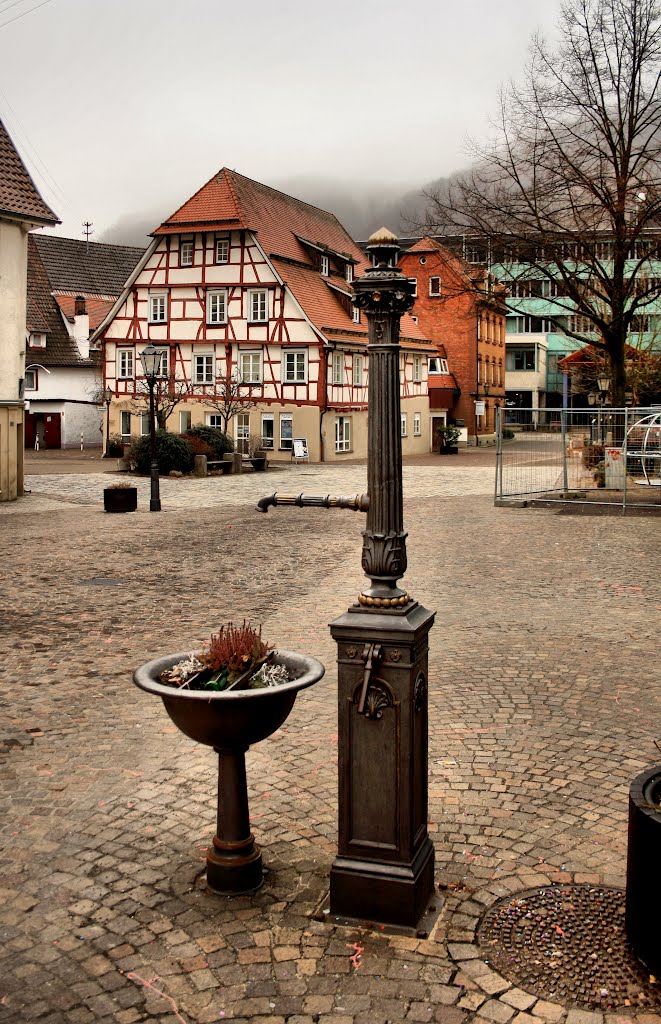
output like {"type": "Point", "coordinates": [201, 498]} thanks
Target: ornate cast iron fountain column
{"type": "Point", "coordinates": [384, 870]}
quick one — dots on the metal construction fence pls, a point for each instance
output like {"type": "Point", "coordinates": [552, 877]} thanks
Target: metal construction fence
{"type": "Point", "coordinates": [597, 454]}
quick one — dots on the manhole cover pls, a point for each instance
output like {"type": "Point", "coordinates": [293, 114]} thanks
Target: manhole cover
{"type": "Point", "coordinates": [567, 943]}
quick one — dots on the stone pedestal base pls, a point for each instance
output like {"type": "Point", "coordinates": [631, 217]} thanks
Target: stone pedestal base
{"type": "Point", "coordinates": [384, 870]}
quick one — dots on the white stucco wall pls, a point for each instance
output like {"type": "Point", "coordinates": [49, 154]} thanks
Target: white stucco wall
{"type": "Point", "coordinates": [13, 290]}
{"type": "Point", "coordinates": [68, 391]}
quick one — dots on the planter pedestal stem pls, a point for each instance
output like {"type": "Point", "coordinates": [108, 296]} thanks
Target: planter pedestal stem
{"type": "Point", "coordinates": [234, 861]}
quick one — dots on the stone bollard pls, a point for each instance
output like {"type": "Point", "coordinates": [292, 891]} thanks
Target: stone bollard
{"type": "Point", "coordinates": [200, 465]}
{"type": "Point", "coordinates": [236, 459]}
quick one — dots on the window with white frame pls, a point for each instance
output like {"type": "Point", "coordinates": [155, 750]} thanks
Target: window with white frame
{"type": "Point", "coordinates": [338, 367]}
{"type": "Point", "coordinates": [125, 363]}
{"type": "Point", "coordinates": [417, 424]}
{"type": "Point", "coordinates": [294, 367]}
{"type": "Point", "coordinates": [444, 366]}
{"type": "Point", "coordinates": [355, 314]}
{"type": "Point", "coordinates": [358, 371]}
{"type": "Point", "coordinates": [250, 367]}
{"type": "Point", "coordinates": [325, 266]}
{"type": "Point", "coordinates": [434, 286]}
{"type": "Point", "coordinates": [37, 340]}
{"type": "Point", "coordinates": [267, 430]}
{"type": "Point", "coordinates": [217, 307]}
{"type": "Point", "coordinates": [434, 365]}
{"type": "Point", "coordinates": [342, 434]}
{"type": "Point", "coordinates": [258, 310]}
{"type": "Point", "coordinates": [158, 308]}
{"type": "Point", "coordinates": [222, 250]}
{"type": "Point", "coordinates": [414, 283]}
{"type": "Point", "coordinates": [348, 272]}
{"type": "Point", "coordinates": [203, 369]}
{"type": "Point", "coordinates": [403, 423]}
{"type": "Point", "coordinates": [215, 420]}
{"type": "Point", "coordinates": [286, 430]}
{"type": "Point", "coordinates": [30, 381]}
{"type": "Point", "coordinates": [125, 423]}
{"type": "Point", "coordinates": [184, 422]}
{"type": "Point", "coordinates": [144, 423]}
{"type": "Point", "coordinates": [417, 369]}
{"type": "Point", "coordinates": [186, 250]}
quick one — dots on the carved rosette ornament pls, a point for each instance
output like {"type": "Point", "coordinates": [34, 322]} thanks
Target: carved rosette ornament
{"type": "Point", "coordinates": [384, 293]}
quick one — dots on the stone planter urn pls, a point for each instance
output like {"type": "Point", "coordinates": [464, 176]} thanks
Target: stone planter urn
{"type": "Point", "coordinates": [643, 901]}
{"type": "Point", "coordinates": [230, 722]}
{"type": "Point", "coordinates": [120, 499]}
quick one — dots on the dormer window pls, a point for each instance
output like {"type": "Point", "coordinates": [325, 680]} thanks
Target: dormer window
{"type": "Point", "coordinates": [355, 314]}
{"type": "Point", "coordinates": [222, 250]}
{"type": "Point", "coordinates": [348, 272]}
{"type": "Point", "coordinates": [186, 253]}
{"type": "Point", "coordinates": [37, 340]}
{"type": "Point", "coordinates": [325, 266]}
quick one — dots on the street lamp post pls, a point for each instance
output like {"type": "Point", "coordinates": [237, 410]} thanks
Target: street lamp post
{"type": "Point", "coordinates": [151, 362]}
{"type": "Point", "coordinates": [107, 397]}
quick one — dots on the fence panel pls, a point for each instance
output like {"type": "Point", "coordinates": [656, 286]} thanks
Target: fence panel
{"type": "Point", "coordinates": [596, 454]}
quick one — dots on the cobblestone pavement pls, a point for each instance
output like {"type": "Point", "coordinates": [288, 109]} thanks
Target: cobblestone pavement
{"type": "Point", "coordinates": [544, 703]}
{"type": "Point", "coordinates": [426, 481]}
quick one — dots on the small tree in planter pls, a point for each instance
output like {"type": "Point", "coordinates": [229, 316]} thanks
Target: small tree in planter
{"type": "Point", "coordinates": [235, 692]}
{"type": "Point", "coordinates": [449, 436]}
{"type": "Point", "coordinates": [256, 451]}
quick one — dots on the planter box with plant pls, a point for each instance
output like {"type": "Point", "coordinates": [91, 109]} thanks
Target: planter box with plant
{"type": "Point", "coordinates": [449, 437]}
{"type": "Point", "coordinates": [643, 899]}
{"type": "Point", "coordinates": [256, 452]}
{"type": "Point", "coordinates": [234, 693]}
{"type": "Point", "coordinates": [120, 498]}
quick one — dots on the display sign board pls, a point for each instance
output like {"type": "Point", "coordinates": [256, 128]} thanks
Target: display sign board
{"type": "Point", "coordinates": [300, 448]}
{"type": "Point", "coordinates": [480, 408]}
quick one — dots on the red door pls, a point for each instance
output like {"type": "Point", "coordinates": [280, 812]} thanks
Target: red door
{"type": "Point", "coordinates": [52, 430]}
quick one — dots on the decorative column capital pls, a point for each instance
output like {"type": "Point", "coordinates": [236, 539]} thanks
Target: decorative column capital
{"type": "Point", "coordinates": [383, 288]}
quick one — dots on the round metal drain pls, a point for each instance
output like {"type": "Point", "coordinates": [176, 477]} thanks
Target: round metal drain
{"type": "Point", "coordinates": [567, 944]}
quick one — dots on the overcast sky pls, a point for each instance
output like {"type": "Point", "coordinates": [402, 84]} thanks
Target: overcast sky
{"type": "Point", "coordinates": [122, 108]}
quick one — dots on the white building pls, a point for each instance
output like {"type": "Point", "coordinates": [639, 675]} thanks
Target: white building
{"type": "Point", "coordinates": [21, 208]}
{"type": "Point", "coordinates": [72, 284]}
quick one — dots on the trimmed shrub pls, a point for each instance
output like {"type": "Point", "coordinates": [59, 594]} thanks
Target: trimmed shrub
{"type": "Point", "coordinates": [508, 434]}
{"type": "Point", "coordinates": [172, 452]}
{"type": "Point", "coordinates": [593, 453]}
{"type": "Point", "coordinates": [115, 446]}
{"type": "Point", "coordinates": [199, 445]}
{"type": "Point", "coordinates": [219, 441]}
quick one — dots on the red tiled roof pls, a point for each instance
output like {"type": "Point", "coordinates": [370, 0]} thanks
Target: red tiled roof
{"type": "Point", "coordinates": [19, 195]}
{"type": "Point", "coordinates": [97, 309]}
{"type": "Point", "coordinates": [231, 199]}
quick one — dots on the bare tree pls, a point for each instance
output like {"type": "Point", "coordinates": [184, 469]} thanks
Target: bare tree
{"type": "Point", "coordinates": [569, 190]}
{"type": "Point", "coordinates": [169, 392]}
{"type": "Point", "coordinates": [231, 395]}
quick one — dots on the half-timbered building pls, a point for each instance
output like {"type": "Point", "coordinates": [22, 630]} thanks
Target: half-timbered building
{"type": "Point", "coordinates": [244, 283]}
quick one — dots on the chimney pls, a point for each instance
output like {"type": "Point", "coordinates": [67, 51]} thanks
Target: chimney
{"type": "Point", "coordinates": [81, 327]}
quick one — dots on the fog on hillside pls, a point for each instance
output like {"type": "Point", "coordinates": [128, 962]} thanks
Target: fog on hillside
{"type": "Point", "coordinates": [360, 208]}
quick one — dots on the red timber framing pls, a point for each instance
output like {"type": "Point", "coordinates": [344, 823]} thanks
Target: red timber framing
{"type": "Point", "coordinates": [250, 300]}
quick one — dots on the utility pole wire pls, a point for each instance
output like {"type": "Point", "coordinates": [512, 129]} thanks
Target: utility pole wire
{"type": "Point", "coordinates": [24, 13]}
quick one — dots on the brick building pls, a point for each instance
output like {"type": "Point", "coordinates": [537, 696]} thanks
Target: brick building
{"type": "Point", "coordinates": [461, 308]}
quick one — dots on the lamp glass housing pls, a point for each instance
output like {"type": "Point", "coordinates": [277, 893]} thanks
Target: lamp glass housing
{"type": "Point", "coordinates": [603, 382]}
{"type": "Point", "coordinates": [150, 358]}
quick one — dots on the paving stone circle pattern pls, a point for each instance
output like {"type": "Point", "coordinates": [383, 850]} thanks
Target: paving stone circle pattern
{"type": "Point", "coordinates": [568, 943]}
